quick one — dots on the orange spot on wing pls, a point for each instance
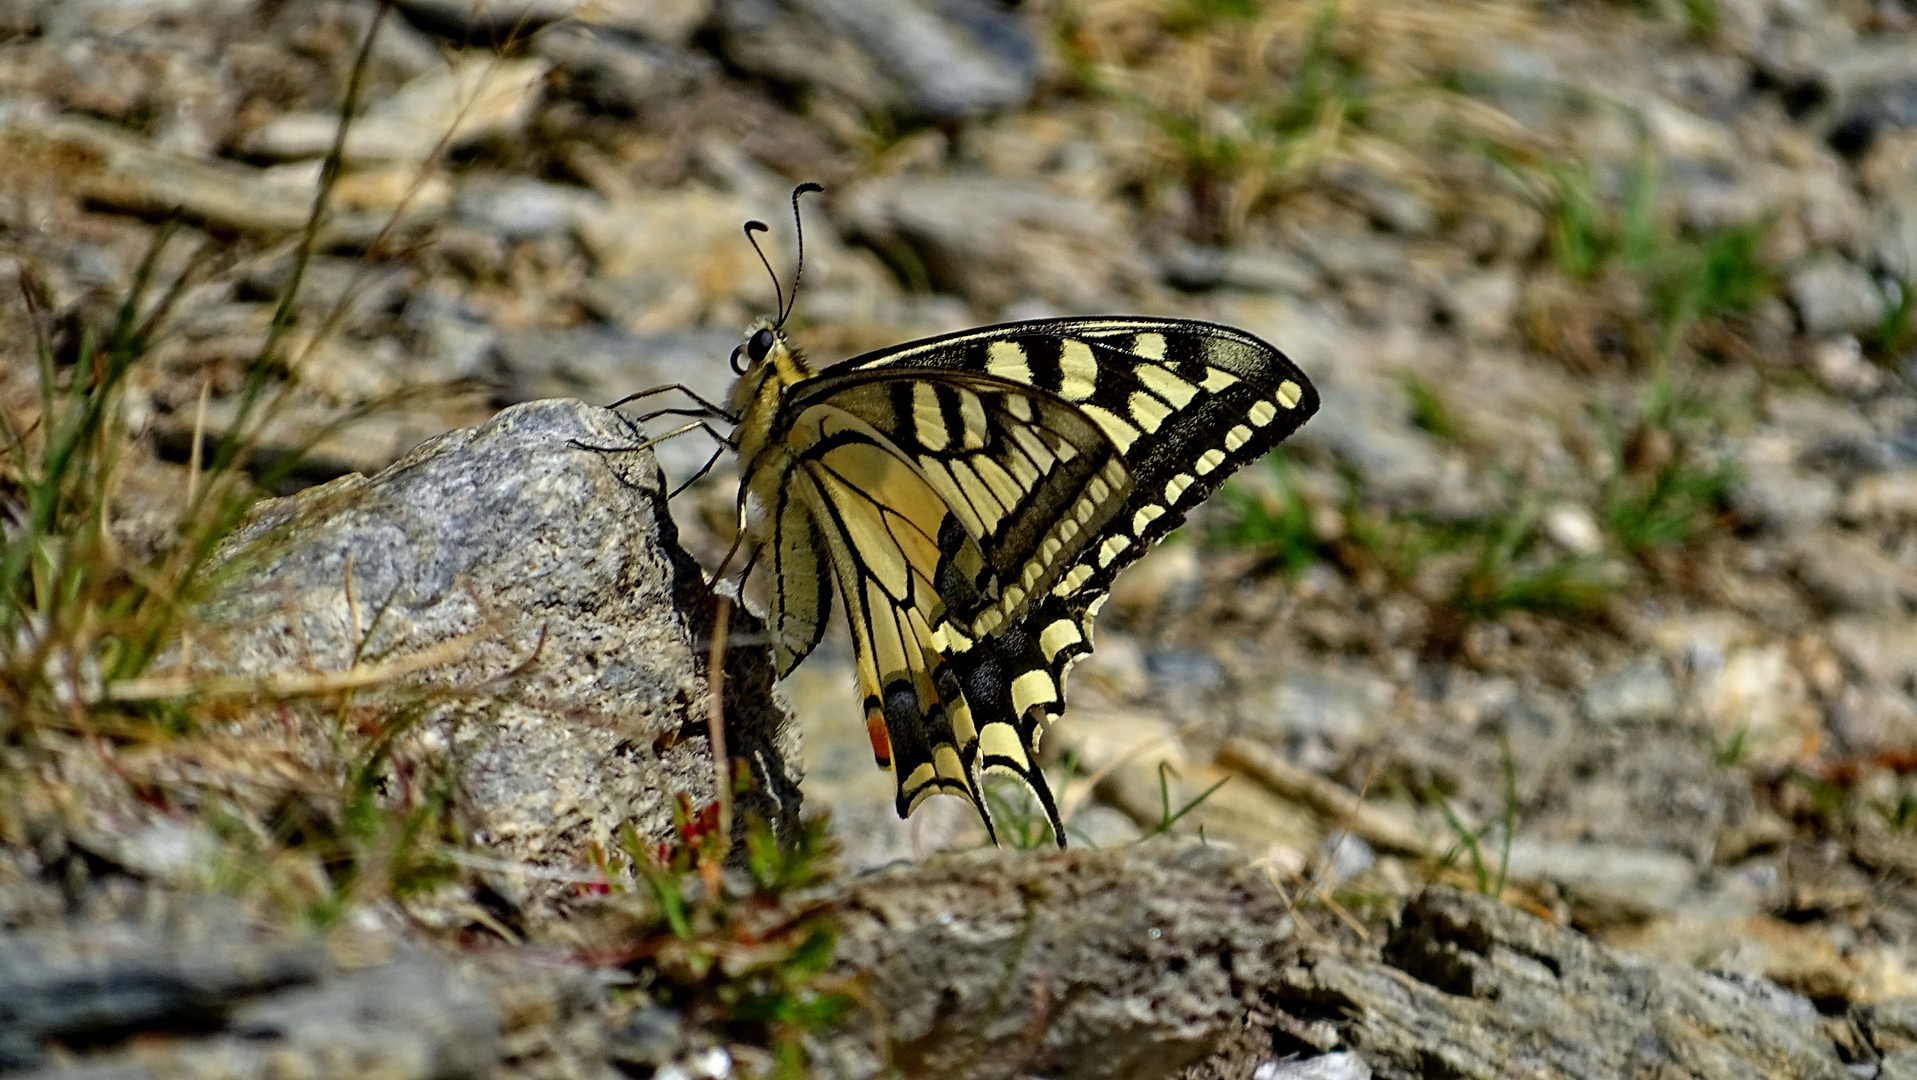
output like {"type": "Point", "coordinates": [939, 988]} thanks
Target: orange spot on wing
{"type": "Point", "coordinates": [881, 742]}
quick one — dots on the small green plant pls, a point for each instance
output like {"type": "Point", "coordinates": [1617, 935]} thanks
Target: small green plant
{"type": "Point", "coordinates": [1683, 279]}
{"type": "Point", "coordinates": [1280, 525]}
{"type": "Point", "coordinates": [1729, 751]}
{"type": "Point", "coordinates": [1168, 817]}
{"type": "Point", "coordinates": [1503, 579]}
{"type": "Point", "coordinates": [1017, 817]}
{"type": "Point", "coordinates": [741, 952]}
{"type": "Point", "coordinates": [1659, 495]}
{"type": "Point", "coordinates": [1900, 814]}
{"type": "Point", "coordinates": [1429, 413]}
{"type": "Point", "coordinates": [1896, 334]}
{"type": "Point", "coordinates": [1251, 139]}
{"type": "Point", "coordinates": [1470, 841]}
{"type": "Point", "coordinates": [1188, 15]}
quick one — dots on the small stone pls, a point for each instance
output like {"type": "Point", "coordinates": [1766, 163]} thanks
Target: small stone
{"type": "Point", "coordinates": [651, 1036]}
{"type": "Point", "coordinates": [456, 106]}
{"type": "Point", "coordinates": [673, 260]}
{"type": "Point", "coordinates": [1889, 496]}
{"type": "Point", "coordinates": [1833, 296]}
{"type": "Point", "coordinates": [1101, 826]}
{"type": "Point", "coordinates": [1639, 693]}
{"type": "Point", "coordinates": [1347, 708]}
{"type": "Point", "coordinates": [1758, 699]}
{"type": "Point", "coordinates": [1608, 883]}
{"type": "Point", "coordinates": [1341, 1066]}
{"type": "Point", "coordinates": [521, 208]}
{"type": "Point", "coordinates": [1883, 649]}
{"type": "Point", "coordinates": [1189, 266]}
{"type": "Point", "coordinates": [1773, 492]}
{"type": "Point", "coordinates": [1483, 304]}
{"type": "Point", "coordinates": [1388, 202]}
{"type": "Point", "coordinates": [1572, 528]}
{"type": "Point", "coordinates": [1873, 720]}
{"type": "Point", "coordinates": [1848, 573]}
{"type": "Point", "coordinates": [996, 241]}
{"type": "Point", "coordinates": [611, 71]}
{"type": "Point", "coordinates": [1840, 365]}
{"type": "Point", "coordinates": [949, 60]}
{"type": "Point", "coordinates": [1895, 237]}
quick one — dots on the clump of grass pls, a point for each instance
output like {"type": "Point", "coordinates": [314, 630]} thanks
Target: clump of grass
{"type": "Point", "coordinates": [1630, 268]}
{"type": "Point", "coordinates": [741, 952]}
{"type": "Point", "coordinates": [1429, 412]}
{"type": "Point", "coordinates": [1470, 842]}
{"type": "Point", "coordinates": [1661, 494]}
{"type": "Point", "coordinates": [1502, 578]}
{"type": "Point", "coordinates": [1280, 525]}
{"type": "Point", "coordinates": [1895, 337]}
{"type": "Point", "coordinates": [1246, 100]}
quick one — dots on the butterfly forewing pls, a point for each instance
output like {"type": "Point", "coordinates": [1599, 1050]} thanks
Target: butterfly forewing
{"type": "Point", "coordinates": [978, 492]}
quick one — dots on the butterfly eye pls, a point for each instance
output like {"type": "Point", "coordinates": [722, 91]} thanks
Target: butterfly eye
{"type": "Point", "coordinates": [737, 367]}
{"type": "Point", "coordinates": [760, 344]}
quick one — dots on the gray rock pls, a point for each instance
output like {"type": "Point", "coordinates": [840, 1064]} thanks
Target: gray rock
{"type": "Point", "coordinates": [1871, 85]}
{"type": "Point", "coordinates": [1873, 720]}
{"type": "Point", "coordinates": [521, 208]}
{"type": "Point", "coordinates": [940, 59]}
{"type": "Point", "coordinates": [1898, 1065]}
{"type": "Point", "coordinates": [1384, 199]}
{"type": "Point", "coordinates": [997, 241]}
{"type": "Point", "coordinates": [1894, 238]}
{"type": "Point", "coordinates": [109, 167]}
{"type": "Point", "coordinates": [1833, 296]}
{"type": "Point", "coordinates": [449, 106]}
{"type": "Point", "coordinates": [1849, 573]}
{"type": "Point", "coordinates": [668, 21]}
{"type": "Point", "coordinates": [1781, 497]}
{"type": "Point", "coordinates": [455, 340]}
{"type": "Point", "coordinates": [1638, 693]}
{"type": "Point", "coordinates": [1344, 707]}
{"type": "Point", "coordinates": [197, 987]}
{"type": "Point", "coordinates": [583, 626]}
{"type": "Point", "coordinates": [1889, 496]}
{"type": "Point", "coordinates": [1189, 266]}
{"type": "Point", "coordinates": [612, 71]}
{"type": "Point", "coordinates": [1367, 427]}
{"type": "Point", "coordinates": [415, 1016]}
{"type": "Point", "coordinates": [1140, 958]}
{"type": "Point", "coordinates": [78, 983]}
{"type": "Point", "coordinates": [1482, 304]}
{"type": "Point", "coordinates": [1885, 650]}
{"type": "Point", "coordinates": [1606, 884]}
{"type": "Point", "coordinates": [1472, 989]}
{"type": "Point", "coordinates": [1345, 1066]}
{"type": "Point", "coordinates": [675, 259]}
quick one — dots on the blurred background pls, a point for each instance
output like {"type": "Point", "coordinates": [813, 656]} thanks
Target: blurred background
{"type": "Point", "coordinates": [1593, 579]}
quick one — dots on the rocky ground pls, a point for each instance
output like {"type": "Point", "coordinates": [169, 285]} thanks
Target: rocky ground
{"type": "Point", "coordinates": [1592, 585]}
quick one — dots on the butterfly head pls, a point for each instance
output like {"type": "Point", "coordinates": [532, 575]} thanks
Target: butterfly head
{"type": "Point", "coordinates": [766, 354]}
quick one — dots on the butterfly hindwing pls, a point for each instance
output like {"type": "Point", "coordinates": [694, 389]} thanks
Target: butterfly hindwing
{"type": "Point", "coordinates": [975, 495]}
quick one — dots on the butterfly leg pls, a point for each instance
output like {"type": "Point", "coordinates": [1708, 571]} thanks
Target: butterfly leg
{"type": "Point", "coordinates": [694, 478]}
{"type": "Point", "coordinates": [711, 409]}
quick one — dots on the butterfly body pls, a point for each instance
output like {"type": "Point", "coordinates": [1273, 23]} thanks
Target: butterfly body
{"type": "Point", "coordinates": [970, 498]}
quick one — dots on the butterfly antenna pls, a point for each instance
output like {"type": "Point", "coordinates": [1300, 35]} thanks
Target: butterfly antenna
{"type": "Point", "coordinates": [798, 226]}
{"type": "Point", "coordinates": [756, 226]}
